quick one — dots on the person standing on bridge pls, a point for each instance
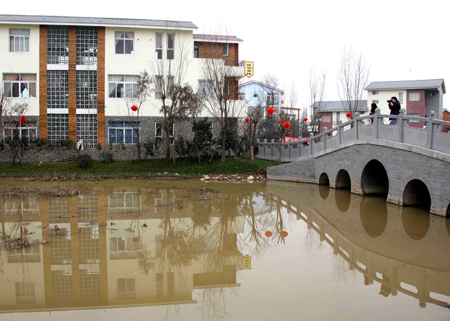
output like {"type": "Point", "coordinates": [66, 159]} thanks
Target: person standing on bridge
{"type": "Point", "coordinates": [394, 106]}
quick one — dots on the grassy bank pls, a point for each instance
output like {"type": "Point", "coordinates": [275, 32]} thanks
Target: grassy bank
{"type": "Point", "coordinates": [144, 168]}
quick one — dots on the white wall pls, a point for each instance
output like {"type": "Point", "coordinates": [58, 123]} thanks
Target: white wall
{"type": "Point", "coordinates": [21, 62]}
{"type": "Point", "coordinates": [383, 96]}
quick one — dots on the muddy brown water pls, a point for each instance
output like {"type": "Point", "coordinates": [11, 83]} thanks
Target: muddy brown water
{"type": "Point", "coordinates": [190, 250]}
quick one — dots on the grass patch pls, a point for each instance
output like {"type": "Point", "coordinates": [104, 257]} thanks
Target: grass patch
{"type": "Point", "coordinates": [145, 168]}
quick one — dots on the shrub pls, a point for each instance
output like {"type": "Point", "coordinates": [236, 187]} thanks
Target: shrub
{"type": "Point", "coordinates": [84, 161]}
{"type": "Point", "coordinates": [106, 157]}
{"type": "Point", "coordinates": [148, 147]}
{"type": "Point", "coordinates": [99, 146]}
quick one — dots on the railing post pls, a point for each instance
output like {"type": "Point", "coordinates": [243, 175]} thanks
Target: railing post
{"type": "Point", "coordinates": [376, 120]}
{"type": "Point", "coordinates": [311, 134]}
{"type": "Point", "coordinates": [430, 129]}
{"type": "Point", "coordinates": [400, 122]}
{"type": "Point", "coordinates": [356, 126]}
{"type": "Point", "coordinates": [338, 134]}
{"type": "Point", "coordinates": [271, 146]}
{"type": "Point", "coordinates": [265, 143]}
{"type": "Point", "coordinates": [324, 138]}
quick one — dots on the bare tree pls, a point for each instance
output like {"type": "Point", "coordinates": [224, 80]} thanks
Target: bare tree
{"type": "Point", "coordinates": [135, 102]}
{"type": "Point", "coordinates": [316, 94]}
{"type": "Point", "coordinates": [219, 95]}
{"type": "Point", "coordinates": [4, 103]}
{"type": "Point", "coordinates": [255, 116]}
{"type": "Point", "coordinates": [173, 95]}
{"type": "Point", "coordinates": [15, 116]}
{"type": "Point", "coordinates": [352, 79]}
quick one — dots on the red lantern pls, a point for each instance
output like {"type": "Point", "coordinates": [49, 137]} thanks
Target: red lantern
{"type": "Point", "coordinates": [134, 108]}
{"type": "Point", "coordinates": [270, 111]}
{"type": "Point", "coordinates": [446, 127]}
{"type": "Point", "coordinates": [135, 239]}
{"type": "Point", "coordinates": [22, 119]}
{"type": "Point", "coordinates": [267, 116]}
{"type": "Point", "coordinates": [284, 234]}
{"type": "Point", "coordinates": [268, 234]}
{"type": "Point", "coordinates": [305, 119]}
{"type": "Point", "coordinates": [289, 133]}
{"type": "Point", "coordinates": [247, 120]}
{"type": "Point", "coordinates": [286, 124]}
{"type": "Point", "coordinates": [278, 121]}
{"type": "Point", "coordinates": [349, 115]}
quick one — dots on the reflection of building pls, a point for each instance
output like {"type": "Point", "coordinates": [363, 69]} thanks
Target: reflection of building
{"type": "Point", "coordinates": [90, 261]}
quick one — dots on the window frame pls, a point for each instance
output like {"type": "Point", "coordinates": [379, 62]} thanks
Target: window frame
{"type": "Point", "coordinates": [159, 50]}
{"type": "Point", "coordinates": [196, 51]}
{"type": "Point", "coordinates": [170, 49]}
{"type": "Point", "coordinates": [13, 38]}
{"type": "Point", "coordinates": [124, 84]}
{"type": "Point", "coordinates": [375, 92]}
{"type": "Point", "coordinates": [171, 132]}
{"type": "Point", "coordinates": [225, 49]}
{"type": "Point", "coordinates": [400, 97]}
{"type": "Point", "coordinates": [123, 128]}
{"type": "Point", "coordinates": [19, 84]}
{"type": "Point", "coordinates": [124, 39]}
{"type": "Point", "coordinates": [205, 88]}
{"type": "Point", "coordinates": [412, 96]}
{"type": "Point", "coordinates": [414, 115]}
{"type": "Point", "coordinates": [128, 294]}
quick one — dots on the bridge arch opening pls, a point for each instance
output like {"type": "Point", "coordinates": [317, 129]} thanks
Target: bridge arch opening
{"type": "Point", "coordinates": [374, 179]}
{"type": "Point", "coordinates": [343, 180]}
{"type": "Point", "coordinates": [324, 180]}
{"type": "Point", "coordinates": [447, 214]}
{"type": "Point", "coordinates": [416, 193]}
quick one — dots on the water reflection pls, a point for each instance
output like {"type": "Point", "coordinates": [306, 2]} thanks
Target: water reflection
{"type": "Point", "coordinates": [416, 222]}
{"type": "Point", "coordinates": [148, 244]}
{"type": "Point", "coordinates": [373, 213]}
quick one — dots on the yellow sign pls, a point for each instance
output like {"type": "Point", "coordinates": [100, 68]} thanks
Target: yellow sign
{"type": "Point", "coordinates": [247, 262]}
{"type": "Point", "coordinates": [248, 68]}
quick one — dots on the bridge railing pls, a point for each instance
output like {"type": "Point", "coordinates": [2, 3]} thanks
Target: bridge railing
{"type": "Point", "coordinates": [427, 132]}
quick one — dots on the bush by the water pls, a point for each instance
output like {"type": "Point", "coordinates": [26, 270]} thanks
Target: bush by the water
{"type": "Point", "coordinates": [84, 161]}
{"type": "Point", "coordinates": [106, 157]}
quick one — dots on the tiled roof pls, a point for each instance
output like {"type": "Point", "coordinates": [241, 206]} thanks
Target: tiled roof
{"type": "Point", "coordinates": [335, 106]}
{"type": "Point", "coordinates": [407, 84]}
{"type": "Point", "coordinates": [218, 38]}
{"type": "Point", "coordinates": [90, 21]}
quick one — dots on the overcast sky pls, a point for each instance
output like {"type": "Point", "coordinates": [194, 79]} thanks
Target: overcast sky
{"type": "Point", "coordinates": [400, 40]}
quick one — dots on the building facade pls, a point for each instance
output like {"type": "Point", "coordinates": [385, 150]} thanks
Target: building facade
{"type": "Point", "coordinates": [79, 76]}
{"type": "Point", "coordinates": [418, 97]}
{"type": "Point", "coordinates": [329, 113]}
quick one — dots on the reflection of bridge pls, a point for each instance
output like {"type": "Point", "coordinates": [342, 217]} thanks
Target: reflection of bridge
{"type": "Point", "coordinates": [410, 165]}
{"type": "Point", "coordinates": [418, 265]}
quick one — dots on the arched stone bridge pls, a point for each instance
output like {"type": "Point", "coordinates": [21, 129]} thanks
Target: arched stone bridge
{"type": "Point", "coordinates": [411, 166]}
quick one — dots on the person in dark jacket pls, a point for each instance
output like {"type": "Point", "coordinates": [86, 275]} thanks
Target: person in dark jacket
{"type": "Point", "coordinates": [394, 106]}
{"type": "Point", "coordinates": [372, 111]}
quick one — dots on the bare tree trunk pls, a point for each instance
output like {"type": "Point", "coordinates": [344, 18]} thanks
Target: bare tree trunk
{"type": "Point", "coordinates": [279, 152]}
{"type": "Point", "coordinates": [224, 138]}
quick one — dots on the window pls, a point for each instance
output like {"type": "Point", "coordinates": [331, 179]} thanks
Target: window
{"type": "Point", "coordinates": [58, 45]}
{"type": "Point", "coordinates": [19, 40]}
{"type": "Point", "coordinates": [170, 284]}
{"type": "Point", "coordinates": [123, 203]}
{"type": "Point", "coordinates": [87, 39]}
{"type": "Point", "coordinates": [159, 285]}
{"type": "Point", "coordinates": [226, 88]}
{"type": "Point", "coordinates": [124, 42]}
{"type": "Point", "coordinates": [123, 132]}
{"type": "Point", "coordinates": [126, 289]}
{"type": "Point", "coordinates": [375, 92]}
{"type": "Point", "coordinates": [241, 96]}
{"type": "Point", "coordinates": [87, 130]}
{"type": "Point", "coordinates": [124, 244]}
{"type": "Point", "coordinates": [27, 130]}
{"type": "Point", "coordinates": [414, 115]}
{"type": "Point", "coordinates": [414, 96]}
{"type": "Point", "coordinates": [255, 95]}
{"type": "Point", "coordinates": [57, 127]}
{"type": "Point", "coordinates": [158, 87]}
{"type": "Point", "coordinates": [205, 88]}
{"type": "Point", "coordinates": [86, 89]}
{"type": "Point", "coordinates": [326, 118]}
{"type": "Point", "coordinates": [57, 89]}
{"type": "Point", "coordinates": [123, 86]}
{"type": "Point", "coordinates": [158, 45]}
{"type": "Point", "coordinates": [400, 98]}
{"type": "Point", "coordinates": [170, 45]}
{"type": "Point", "coordinates": [273, 99]}
{"type": "Point", "coordinates": [159, 131]}
{"type": "Point", "coordinates": [196, 51]}
{"type": "Point", "coordinates": [225, 49]}
{"type": "Point", "coordinates": [375, 101]}
{"type": "Point", "coordinates": [19, 85]}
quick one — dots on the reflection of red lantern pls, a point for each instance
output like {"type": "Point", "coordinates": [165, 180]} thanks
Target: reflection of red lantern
{"type": "Point", "coordinates": [268, 234]}
{"type": "Point", "coordinates": [349, 115]}
{"type": "Point", "coordinates": [135, 239]}
{"type": "Point", "coordinates": [247, 120]}
{"type": "Point", "coordinates": [289, 133]}
{"type": "Point", "coordinates": [286, 124]}
{"type": "Point", "coordinates": [278, 121]}
{"type": "Point", "coordinates": [270, 111]}
{"type": "Point", "coordinates": [240, 127]}
{"type": "Point", "coordinates": [25, 231]}
{"type": "Point", "coordinates": [134, 108]}
{"type": "Point", "coordinates": [305, 119]}
{"type": "Point", "coordinates": [22, 119]}
{"type": "Point", "coordinates": [267, 116]}
{"type": "Point", "coordinates": [284, 234]}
